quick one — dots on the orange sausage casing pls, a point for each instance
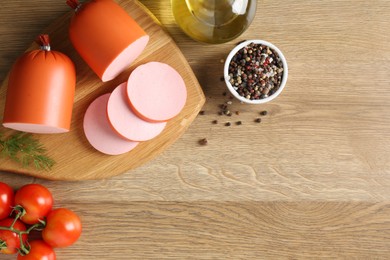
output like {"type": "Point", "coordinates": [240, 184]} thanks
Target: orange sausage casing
{"type": "Point", "coordinates": [40, 92]}
{"type": "Point", "coordinates": [105, 36]}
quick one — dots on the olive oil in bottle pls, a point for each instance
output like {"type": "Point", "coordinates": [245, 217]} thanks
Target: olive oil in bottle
{"type": "Point", "coordinates": [213, 21]}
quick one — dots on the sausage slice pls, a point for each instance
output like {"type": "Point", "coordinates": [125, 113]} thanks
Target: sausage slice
{"type": "Point", "coordinates": [99, 132]}
{"type": "Point", "coordinates": [125, 122]}
{"type": "Point", "coordinates": [156, 92]}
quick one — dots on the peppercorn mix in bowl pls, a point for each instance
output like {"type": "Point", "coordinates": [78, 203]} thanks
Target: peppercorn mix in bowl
{"type": "Point", "coordinates": [255, 71]}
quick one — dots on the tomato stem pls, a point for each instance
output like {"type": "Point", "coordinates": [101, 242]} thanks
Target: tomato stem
{"type": "Point", "coordinates": [33, 227]}
{"type": "Point", "coordinates": [18, 215]}
{"type": "Point", "coordinates": [3, 244]}
{"type": "Point", "coordinates": [24, 249]}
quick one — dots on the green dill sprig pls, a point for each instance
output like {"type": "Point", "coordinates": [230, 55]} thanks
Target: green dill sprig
{"type": "Point", "coordinates": [25, 150]}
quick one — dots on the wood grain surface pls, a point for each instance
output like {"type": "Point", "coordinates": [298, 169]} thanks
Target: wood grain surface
{"type": "Point", "coordinates": [72, 151]}
{"type": "Point", "coordinates": [311, 181]}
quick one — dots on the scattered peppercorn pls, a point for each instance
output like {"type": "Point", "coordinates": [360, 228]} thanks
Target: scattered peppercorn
{"type": "Point", "coordinates": [224, 109]}
{"type": "Point", "coordinates": [222, 79]}
{"type": "Point", "coordinates": [224, 94]}
{"type": "Point", "coordinates": [238, 113]}
{"type": "Point", "coordinates": [263, 113]}
{"type": "Point", "coordinates": [215, 122]}
{"type": "Point", "coordinates": [238, 123]}
{"type": "Point", "coordinates": [202, 112]}
{"type": "Point", "coordinates": [203, 141]}
{"type": "Point", "coordinates": [258, 120]}
{"type": "Point", "coordinates": [228, 124]}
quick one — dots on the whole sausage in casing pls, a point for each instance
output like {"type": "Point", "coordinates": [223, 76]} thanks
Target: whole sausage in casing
{"type": "Point", "coordinates": [40, 91]}
{"type": "Point", "coordinates": [105, 36]}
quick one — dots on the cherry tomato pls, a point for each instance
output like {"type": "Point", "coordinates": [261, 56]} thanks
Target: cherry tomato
{"type": "Point", "coordinates": [39, 250]}
{"type": "Point", "coordinates": [6, 200]}
{"type": "Point", "coordinates": [10, 241]}
{"type": "Point", "coordinates": [63, 228]}
{"type": "Point", "coordinates": [36, 200]}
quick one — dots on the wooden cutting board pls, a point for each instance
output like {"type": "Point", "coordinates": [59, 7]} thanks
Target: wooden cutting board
{"type": "Point", "coordinates": [75, 158]}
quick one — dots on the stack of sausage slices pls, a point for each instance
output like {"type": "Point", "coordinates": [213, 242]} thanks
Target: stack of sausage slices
{"type": "Point", "coordinates": [137, 110]}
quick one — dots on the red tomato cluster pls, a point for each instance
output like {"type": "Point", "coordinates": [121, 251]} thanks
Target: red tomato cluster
{"type": "Point", "coordinates": [31, 208]}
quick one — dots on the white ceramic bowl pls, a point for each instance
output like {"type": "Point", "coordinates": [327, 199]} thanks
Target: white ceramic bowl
{"type": "Point", "coordinates": [227, 78]}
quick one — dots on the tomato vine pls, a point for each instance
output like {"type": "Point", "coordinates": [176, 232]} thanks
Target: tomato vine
{"type": "Point", "coordinates": [24, 248]}
{"type": "Point", "coordinates": [30, 209]}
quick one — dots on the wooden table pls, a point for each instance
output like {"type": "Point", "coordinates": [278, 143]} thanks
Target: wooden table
{"type": "Point", "coordinates": [311, 180]}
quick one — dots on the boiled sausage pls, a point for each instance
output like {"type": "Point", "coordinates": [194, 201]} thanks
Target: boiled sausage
{"type": "Point", "coordinates": [105, 36]}
{"type": "Point", "coordinates": [99, 132]}
{"type": "Point", "coordinates": [125, 122]}
{"type": "Point", "coordinates": [156, 92]}
{"type": "Point", "coordinates": [40, 91]}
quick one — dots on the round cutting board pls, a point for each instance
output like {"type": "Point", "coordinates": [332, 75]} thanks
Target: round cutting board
{"type": "Point", "coordinates": [75, 158]}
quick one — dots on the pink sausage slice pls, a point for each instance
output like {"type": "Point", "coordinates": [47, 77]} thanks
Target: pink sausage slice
{"type": "Point", "coordinates": [156, 92]}
{"type": "Point", "coordinates": [99, 133]}
{"type": "Point", "coordinates": [125, 122]}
